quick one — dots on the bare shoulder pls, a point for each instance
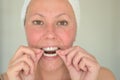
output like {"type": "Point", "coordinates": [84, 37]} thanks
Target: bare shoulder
{"type": "Point", "coordinates": [106, 74]}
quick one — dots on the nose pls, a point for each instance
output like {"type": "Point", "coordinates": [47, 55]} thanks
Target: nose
{"type": "Point", "coordinates": [50, 33]}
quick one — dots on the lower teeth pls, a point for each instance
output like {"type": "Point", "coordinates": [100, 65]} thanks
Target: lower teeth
{"type": "Point", "coordinates": [50, 55]}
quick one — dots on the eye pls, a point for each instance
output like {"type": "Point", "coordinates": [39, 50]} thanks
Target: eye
{"type": "Point", "coordinates": [62, 23]}
{"type": "Point", "coordinates": [37, 22]}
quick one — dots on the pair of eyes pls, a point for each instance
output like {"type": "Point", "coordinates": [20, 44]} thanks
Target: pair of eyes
{"type": "Point", "coordinates": [59, 23]}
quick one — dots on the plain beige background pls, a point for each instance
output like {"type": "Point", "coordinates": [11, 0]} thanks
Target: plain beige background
{"type": "Point", "coordinates": [99, 31]}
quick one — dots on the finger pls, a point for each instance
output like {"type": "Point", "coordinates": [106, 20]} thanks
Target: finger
{"type": "Point", "coordinates": [85, 52]}
{"type": "Point", "coordinates": [79, 57]}
{"type": "Point", "coordinates": [37, 50]}
{"type": "Point", "coordinates": [14, 70]}
{"type": "Point", "coordinates": [27, 59]}
{"type": "Point", "coordinates": [76, 60]}
{"type": "Point", "coordinates": [71, 56]}
{"type": "Point", "coordinates": [24, 50]}
{"type": "Point", "coordinates": [66, 51]}
{"type": "Point", "coordinates": [38, 56]}
{"type": "Point", "coordinates": [63, 57]}
{"type": "Point", "coordinates": [82, 65]}
{"type": "Point", "coordinates": [87, 64]}
{"type": "Point", "coordinates": [90, 67]}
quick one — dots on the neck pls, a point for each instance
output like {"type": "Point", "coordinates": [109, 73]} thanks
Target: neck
{"type": "Point", "coordinates": [59, 74]}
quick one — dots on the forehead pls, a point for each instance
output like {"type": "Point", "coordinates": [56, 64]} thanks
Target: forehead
{"type": "Point", "coordinates": [50, 6]}
{"type": "Point", "coordinates": [49, 2]}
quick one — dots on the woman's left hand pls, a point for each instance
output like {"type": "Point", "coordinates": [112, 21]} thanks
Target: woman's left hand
{"type": "Point", "coordinates": [80, 64]}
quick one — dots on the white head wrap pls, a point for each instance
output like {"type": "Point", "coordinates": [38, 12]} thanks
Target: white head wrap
{"type": "Point", "coordinates": [74, 3]}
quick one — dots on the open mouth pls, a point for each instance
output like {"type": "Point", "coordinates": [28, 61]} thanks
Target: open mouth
{"type": "Point", "coordinates": [50, 51]}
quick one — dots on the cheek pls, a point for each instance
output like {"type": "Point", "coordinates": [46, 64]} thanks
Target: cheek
{"type": "Point", "coordinates": [67, 36]}
{"type": "Point", "coordinates": [33, 36]}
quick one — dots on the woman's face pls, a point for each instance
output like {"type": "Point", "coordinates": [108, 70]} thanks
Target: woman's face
{"type": "Point", "coordinates": [50, 24]}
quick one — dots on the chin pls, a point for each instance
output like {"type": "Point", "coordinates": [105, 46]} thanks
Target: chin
{"type": "Point", "coordinates": [50, 64]}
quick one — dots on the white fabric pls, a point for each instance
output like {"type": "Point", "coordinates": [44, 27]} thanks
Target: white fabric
{"type": "Point", "coordinates": [76, 7]}
{"type": "Point", "coordinates": [24, 9]}
{"type": "Point", "coordinates": [74, 3]}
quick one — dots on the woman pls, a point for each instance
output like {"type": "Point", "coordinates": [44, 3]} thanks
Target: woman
{"type": "Point", "coordinates": [51, 27]}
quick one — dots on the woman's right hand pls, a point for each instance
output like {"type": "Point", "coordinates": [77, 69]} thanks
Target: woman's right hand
{"type": "Point", "coordinates": [22, 65]}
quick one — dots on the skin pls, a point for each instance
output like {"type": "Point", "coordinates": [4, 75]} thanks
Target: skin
{"type": "Point", "coordinates": [51, 23]}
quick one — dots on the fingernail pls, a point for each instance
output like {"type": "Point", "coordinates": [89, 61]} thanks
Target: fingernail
{"type": "Point", "coordinates": [38, 51]}
{"type": "Point", "coordinates": [32, 71]}
{"type": "Point", "coordinates": [62, 54]}
{"type": "Point", "coordinates": [77, 69]}
{"type": "Point", "coordinates": [26, 73]}
{"type": "Point", "coordinates": [68, 63]}
{"type": "Point", "coordinates": [58, 51]}
{"type": "Point", "coordinates": [35, 59]}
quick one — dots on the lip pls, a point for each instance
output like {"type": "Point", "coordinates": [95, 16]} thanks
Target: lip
{"type": "Point", "coordinates": [50, 51]}
{"type": "Point", "coordinates": [46, 46]}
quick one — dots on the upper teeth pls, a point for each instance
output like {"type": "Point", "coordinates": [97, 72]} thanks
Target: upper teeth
{"type": "Point", "coordinates": [50, 49]}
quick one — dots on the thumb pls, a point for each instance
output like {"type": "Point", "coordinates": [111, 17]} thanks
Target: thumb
{"type": "Point", "coordinates": [38, 56]}
{"type": "Point", "coordinates": [62, 56]}
{"type": "Point", "coordinates": [70, 67]}
{"type": "Point", "coordinates": [38, 53]}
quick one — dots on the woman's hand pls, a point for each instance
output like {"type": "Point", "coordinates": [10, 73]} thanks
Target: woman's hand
{"type": "Point", "coordinates": [80, 64]}
{"type": "Point", "coordinates": [22, 65]}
